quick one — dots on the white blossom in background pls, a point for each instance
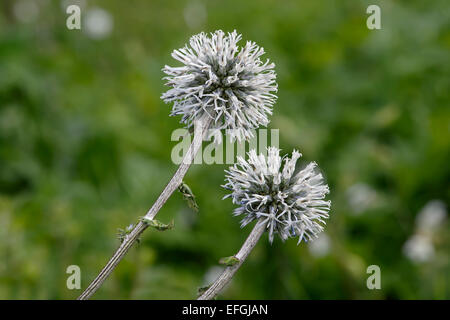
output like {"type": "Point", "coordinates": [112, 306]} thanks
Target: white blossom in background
{"type": "Point", "coordinates": [431, 216]}
{"type": "Point", "coordinates": [195, 14]}
{"type": "Point", "coordinates": [221, 80]}
{"type": "Point", "coordinates": [321, 246]}
{"type": "Point", "coordinates": [293, 205]}
{"type": "Point", "coordinates": [361, 197]}
{"type": "Point", "coordinates": [418, 248]}
{"type": "Point", "coordinates": [98, 23]}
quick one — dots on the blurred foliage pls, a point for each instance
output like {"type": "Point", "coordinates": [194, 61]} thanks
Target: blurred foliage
{"type": "Point", "coordinates": [85, 147]}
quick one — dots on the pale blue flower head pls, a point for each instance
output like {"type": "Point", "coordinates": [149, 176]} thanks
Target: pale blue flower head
{"type": "Point", "coordinates": [221, 80]}
{"type": "Point", "coordinates": [290, 202]}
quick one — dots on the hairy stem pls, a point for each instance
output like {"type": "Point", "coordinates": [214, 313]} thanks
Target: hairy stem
{"type": "Point", "coordinates": [199, 134]}
{"type": "Point", "coordinates": [229, 272]}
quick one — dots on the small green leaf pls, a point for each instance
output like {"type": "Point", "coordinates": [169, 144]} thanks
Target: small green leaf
{"type": "Point", "coordinates": [122, 234]}
{"type": "Point", "coordinates": [229, 261]}
{"type": "Point", "coordinates": [188, 195]}
{"type": "Point", "coordinates": [158, 225]}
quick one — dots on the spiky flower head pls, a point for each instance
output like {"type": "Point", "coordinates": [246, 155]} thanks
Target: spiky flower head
{"type": "Point", "coordinates": [223, 81]}
{"type": "Point", "coordinates": [291, 203]}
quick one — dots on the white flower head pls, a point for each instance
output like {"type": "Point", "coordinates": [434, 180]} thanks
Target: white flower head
{"type": "Point", "coordinates": [291, 203]}
{"type": "Point", "coordinates": [431, 217]}
{"type": "Point", "coordinates": [219, 79]}
{"type": "Point", "coordinates": [418, 249]}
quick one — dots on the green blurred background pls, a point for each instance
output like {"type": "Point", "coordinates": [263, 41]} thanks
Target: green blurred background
{"type": "Point", "coordinates": [85, 148]}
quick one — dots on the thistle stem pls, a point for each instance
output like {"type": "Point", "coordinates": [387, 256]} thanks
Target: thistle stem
{"type": "Point", "coordinates": [199, 134]}
{"type": "Point", "coordinates": [229, 272]}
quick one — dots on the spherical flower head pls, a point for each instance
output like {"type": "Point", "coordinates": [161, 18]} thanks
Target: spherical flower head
{"type": "Point", "coordinates": [218, 79]}
{"type": "Point", "coordinates": [292, 204]}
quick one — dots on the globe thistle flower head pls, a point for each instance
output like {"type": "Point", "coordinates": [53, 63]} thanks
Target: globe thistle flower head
{"type": "Point", "coordinates": [223, 81]}
{"type": "Point", "coordinates": [266, 189]}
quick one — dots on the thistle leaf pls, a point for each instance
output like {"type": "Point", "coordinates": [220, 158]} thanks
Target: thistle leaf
{"type": "Point", "coordinates": [229, 261]}
{"type": "Point", "coordinates": [122, 234]}
{"type": "Point", "coordinates": [188, 195]}
{"type": "Point", "coordinates": [158, 225]}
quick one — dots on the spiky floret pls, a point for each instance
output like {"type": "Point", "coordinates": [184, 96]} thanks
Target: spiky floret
{"type": "Point", "coordinates": [223, 81]}
{"type": "Point", "coordinates": [291, 203]}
